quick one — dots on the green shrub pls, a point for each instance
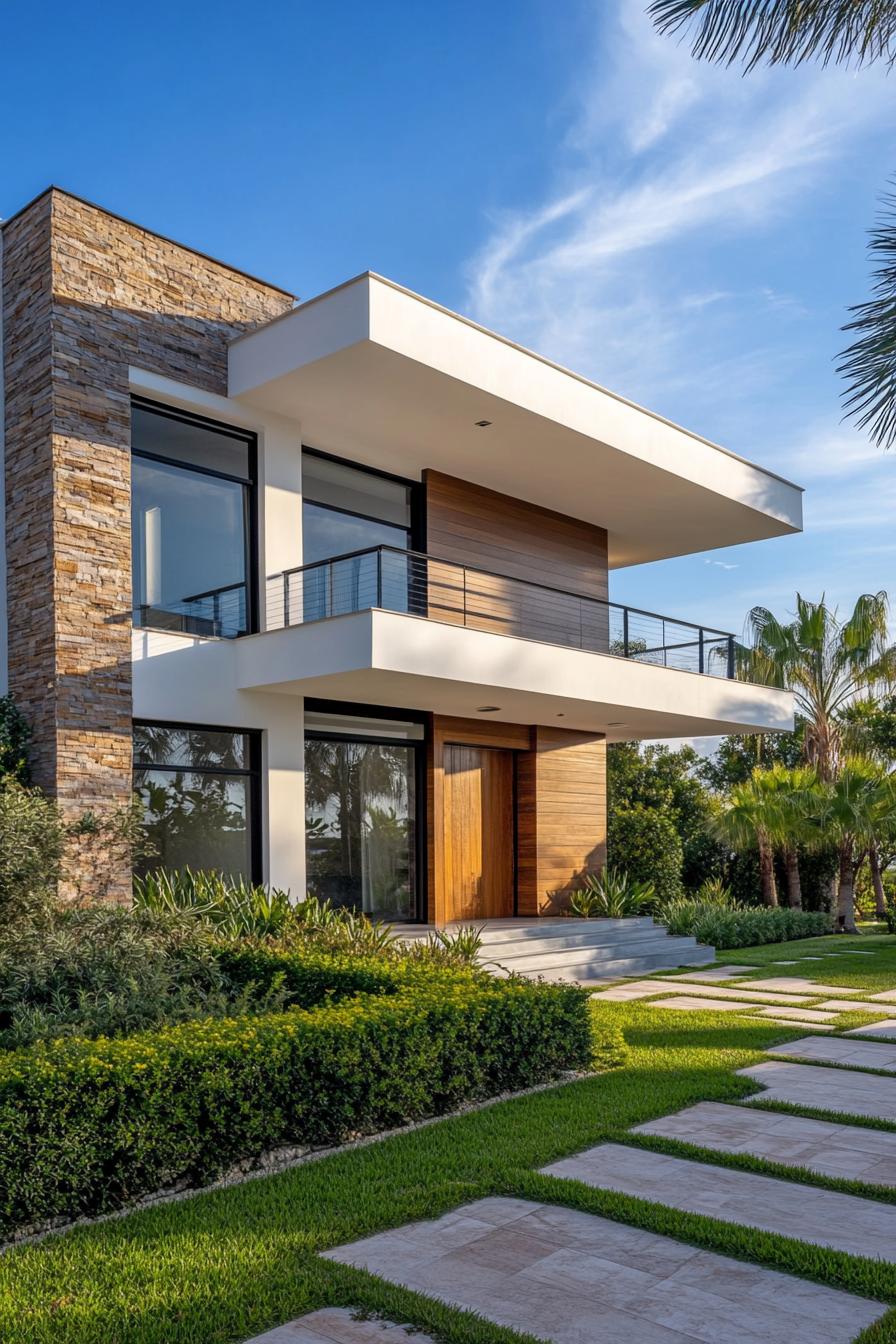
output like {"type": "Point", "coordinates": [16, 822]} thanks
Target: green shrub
{"type": "Point", "coordinates": [15, 736]}
{"type": "Point", "coordinates": [306, 977]}
{"type": "Point", "coordinates": [31, 845]}
{"type": "Point", "coordinates": [644, 844]}
{"type": "Point", "coordinates": [611, 895]}
{"type": "Point", "coordinates": [740, 926]}
{"type": "Point", "coordinates": [86, 1126]}
{"type": "Point", "coordinates": [233, 908]}
{"type": "Point", "coordinates": [103, 970]}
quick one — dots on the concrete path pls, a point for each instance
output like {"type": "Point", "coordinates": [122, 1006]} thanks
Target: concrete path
{"type": "Point", "coordinates": [886, 1031]}
{"type": "Point", "coordinates": [822, 1217]}
{"type": "Point", "coordinates": [336, 1325]}
{"type": "Point", "coordinates": [825, 1089]}
{"type": "Point", "coordinates": [850, 1151]}
{"type": "Point", "coordinates": [849, 1054]}
{"type": "Point", "coordinates": [573, 1278]}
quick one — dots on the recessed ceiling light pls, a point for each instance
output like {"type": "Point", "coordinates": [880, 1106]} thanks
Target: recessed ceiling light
{"type": "Point", "coordinates": [561, 716]}
{"type": "Point", "coordinates": [488, 709]}
{"type": "Point", "coordinates": [483, 424]}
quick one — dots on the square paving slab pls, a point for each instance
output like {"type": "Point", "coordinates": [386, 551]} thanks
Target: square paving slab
{"type": "Point", "coordinates": [885, 996]}
{"type": "Point", "coordinates": [688, 1004]}
{"type": "Point", "coordinates": [822, 1217]}
{"type": "Point", "coordinates": [886, 1031]}
{"type": "Point", "coordinates": [825, 1089]}
{"type": "Point", "coordinates": [798, 1014]}
{"type": "Point", "coordinates": [716, 973]}
{"type": "Point", "coordinates": [739, 991]}
{"type": "Point", "coordinates": [850, 1006]}
{"type": "Point", "coordinates": [574, 1278]}
{"type": "Point", "coordinates": [854, 1054]}
{"type": "Point", "coordinates": [798, 984]}
{"type": "Point", "coordinates": [835, 1150]}
{"type": "Point", "coordinates": [335, 1325]}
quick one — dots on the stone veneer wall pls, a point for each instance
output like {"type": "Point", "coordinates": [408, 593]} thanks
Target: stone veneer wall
{"type": "Point", "coordinates": [85, 294]}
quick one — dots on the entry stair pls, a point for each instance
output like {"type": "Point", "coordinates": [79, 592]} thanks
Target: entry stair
{"type": "Point", "coordinates": [580, 951]}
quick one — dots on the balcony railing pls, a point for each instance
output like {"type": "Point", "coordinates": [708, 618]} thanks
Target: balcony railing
{"type": "Point", "coordinates": [422, 585]}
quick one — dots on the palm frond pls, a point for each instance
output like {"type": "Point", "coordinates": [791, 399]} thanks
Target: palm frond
{"type": "Point", "coordinates": [840, 32]}
{"type": "Point", "coordinates": [869, 364]}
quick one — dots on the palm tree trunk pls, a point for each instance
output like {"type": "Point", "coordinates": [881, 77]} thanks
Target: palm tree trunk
{"type": "Point", "coordinates": [846, 891]}
{"type": "Point", "coordinates": [767, 873]}
{"type": "Point", "coordinates": [877, 881]}
{"type": "Point", "coordinates": [794, 886]}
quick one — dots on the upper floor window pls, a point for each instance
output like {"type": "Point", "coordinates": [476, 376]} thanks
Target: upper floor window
{"type": "Point", "coordinates": [346, 509]}
{"type": "Point", "coordinates": [192, 522]}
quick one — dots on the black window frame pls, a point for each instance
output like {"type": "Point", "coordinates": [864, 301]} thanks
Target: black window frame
{"type": "Point", "coordinates": [249, 483]}
{"type": "Point", "coordinates": [421, 755]}
{"type": "Point", "coordinates": [253, 771]}
{"type": "Point", "coordinates": [416, 496]}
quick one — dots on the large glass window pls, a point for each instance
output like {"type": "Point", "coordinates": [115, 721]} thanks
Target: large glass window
{"type": "Point", "coordinates": [192, 503]}
{"type": "Point", "coordinates": [345, 509]}
{"type": "Point", "coordinates": [199, 788]}
{"type": "Point", "coordinates": [361, 823]}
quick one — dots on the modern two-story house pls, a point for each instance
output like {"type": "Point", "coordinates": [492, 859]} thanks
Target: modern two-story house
{"type": "Point", "coordinates": [326, 582]}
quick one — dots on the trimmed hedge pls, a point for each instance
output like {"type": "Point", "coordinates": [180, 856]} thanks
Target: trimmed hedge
{"type": "Point", "coordinates": [309, 978]}
{"type": "Point", "coordinates": [745, 926]}
{"type": "Point", "coordinates": [86, 1126]}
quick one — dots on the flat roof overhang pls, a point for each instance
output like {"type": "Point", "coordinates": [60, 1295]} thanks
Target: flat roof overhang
{"type": "Point", "coordinates": [378, 374]}
{"type": "Point", "coordinates": [410, 662]}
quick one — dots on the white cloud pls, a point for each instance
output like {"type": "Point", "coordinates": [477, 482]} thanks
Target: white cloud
{"type": "Point", "coordinates": [720, 564]}
{"type": "Point", "coordinates": [663, 150]}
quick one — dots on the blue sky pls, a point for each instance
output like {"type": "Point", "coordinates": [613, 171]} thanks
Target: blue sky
{"type": "Point", "coordinates": [686, 236]}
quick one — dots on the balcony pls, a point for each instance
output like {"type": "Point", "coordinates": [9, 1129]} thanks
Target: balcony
{"type": "Point", "coordinates": [411, 583]}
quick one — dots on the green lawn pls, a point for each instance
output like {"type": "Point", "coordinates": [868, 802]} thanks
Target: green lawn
{"type": "Point", "coordinates": [229, 1264]}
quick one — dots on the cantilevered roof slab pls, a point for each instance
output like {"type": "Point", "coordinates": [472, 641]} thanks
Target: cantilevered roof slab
{"type": "Point", "coordinates": [375, 373]}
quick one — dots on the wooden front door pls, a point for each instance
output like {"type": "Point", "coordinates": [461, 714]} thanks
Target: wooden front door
{"type": "Point", "coordinates": [479, 832]}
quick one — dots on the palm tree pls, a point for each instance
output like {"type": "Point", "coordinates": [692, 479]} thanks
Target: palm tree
{"type": "Point", "coordinates": [855, 808]}
{"type": "Point", "coordinates": [843, 32]}
{"type": "Point", "coordinates": [792, 799]}
{"type": "Point", "coordinates": [750, 818]}
{"type": "Point", "coordinates": [828, 664]}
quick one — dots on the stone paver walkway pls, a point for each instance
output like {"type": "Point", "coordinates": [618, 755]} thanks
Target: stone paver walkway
{"type": "Point", "coordinates": [335, 1325]}
{"type": "Point", "coordinates": [797, 984]}
{"type": "Point", "coordinates": [885, 1030]}
{"type": "Point", "coordinates": [688, 1003]}
{"type": "Point", "coordinates": [825, 1089]}
{"type": "Point", "coordinates": [716, 973]}
{"type": "Point", "coordinates": [823, 1217]}
{"type": "Point", "coordinates": [574, 1278]}
{"type": "Point", "coordinates": [795, 1141]}
{"type": "Point", "coordinates": [797, 1015]}
{"type": "Point", "coordinates": [641, 988]}
{"type": "Point", "coordinates": [791, 1022]}
{"type": "Point", "coordinates": [850, 1006]}
{"type": "Point", "coordinates": [850, 1054]}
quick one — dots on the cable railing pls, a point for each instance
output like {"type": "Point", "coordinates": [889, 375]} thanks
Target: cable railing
{"type": "Point", "coordinates": [440, 590]}
{"type": "Point", "coordinates": [218, 613]}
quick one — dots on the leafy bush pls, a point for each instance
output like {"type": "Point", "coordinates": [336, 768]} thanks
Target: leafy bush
{"type": "Point", "coordinates": [15, 735]}
{"type": "Point", "coordinates": [612, 895]}
{"type": "Point", "coordinates": [85, 1126]}
{"type": "Point", "coordinates": [104, 971]}
{"type": "Point", "coordinates": [32, 835]}
{"type": "Point", "coordinates": [713, 891]}
{"type": "Point", "coordinates": [740, 926]}
{"type": "Point", "coordinates": [233, 908]}
{"type": "Point", "coordinates": [644, 844]}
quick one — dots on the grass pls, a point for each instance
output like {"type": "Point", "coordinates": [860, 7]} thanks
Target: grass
{"type": "Point", "coordinates": [232, 1263]}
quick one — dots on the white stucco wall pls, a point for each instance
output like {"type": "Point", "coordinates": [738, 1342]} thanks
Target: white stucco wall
{"type": "Point", "coordinates": [191, 680]}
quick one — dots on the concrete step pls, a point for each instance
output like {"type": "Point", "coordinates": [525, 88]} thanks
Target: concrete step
{"type": "Point", "coordinates": [509, 930]}
{"type": "Point", "coordinates": [530, 947]}
{"type": "Point", "coordinates": [589, 970]}
{"type": "Point", "coordinates": [546, 957]}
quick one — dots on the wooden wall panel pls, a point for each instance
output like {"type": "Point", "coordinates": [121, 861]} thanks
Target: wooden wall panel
{"type": "Point", "coordinates": [561, 805]}
{"type": "Point", "coordinates": [520, 545]}
{"type": "Point", "coordinates": [562, 817]}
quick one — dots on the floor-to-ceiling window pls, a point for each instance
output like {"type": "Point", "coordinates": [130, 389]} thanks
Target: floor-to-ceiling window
{"type": "Point", "coordinates": [192, 508]}
{"type": "Point", "coordinates": [347, 509]}
{"type": "Point", "coordinates": [362, 795]}
{"type": "Point", "coordinates": [200, 793]}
